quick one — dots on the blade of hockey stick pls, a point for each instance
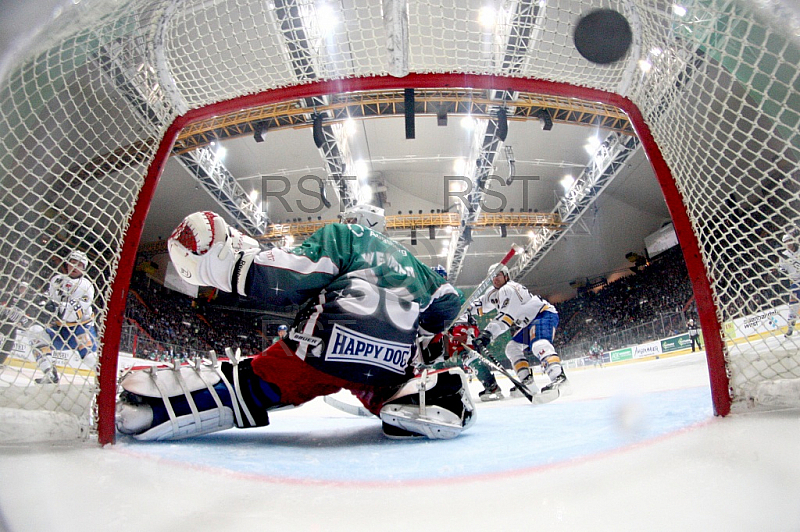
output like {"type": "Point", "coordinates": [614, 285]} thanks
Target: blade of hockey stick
{"type": "Point", "coordinates": [347, 407]}
{"type": "Point", "coordinates": [521, 387]}
{"type": "Point", "coordinates": [481, 288]}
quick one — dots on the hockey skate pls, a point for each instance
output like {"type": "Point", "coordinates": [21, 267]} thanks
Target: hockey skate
{"type": "Point", "coordinates": [491, 393]}
{"type": "Point", "coordinates": [553, 391]}
{"type": "Point", "coordinates": [529, 384]}
{"type": "Point", "coordinates": [50, 377]}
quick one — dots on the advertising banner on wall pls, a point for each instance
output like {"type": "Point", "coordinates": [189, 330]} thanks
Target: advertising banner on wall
{"type": "Point", "coordinates": [763, 322]}
{"type": "Point", "coordinates": [676, 343]}
{"type": "Point", "coordinates": [647, 350]}
{"type": "Point", "coordinates": [621, 354]}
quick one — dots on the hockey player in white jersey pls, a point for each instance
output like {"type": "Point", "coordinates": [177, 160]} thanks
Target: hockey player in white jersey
{"type": "Point", "coordinates": [15, 318]}
{"type": "Point", "coordinates": [534, 320]}
{"type": "Point", "coordinates": [70, 297]}
{"type": "Point", "coordinates": [364, 303]}
{"type": "Point", "coordinates": [790, 265]}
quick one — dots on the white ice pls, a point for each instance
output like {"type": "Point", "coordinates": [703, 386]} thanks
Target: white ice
{"type": "Point", "coordinates": [635, 447]}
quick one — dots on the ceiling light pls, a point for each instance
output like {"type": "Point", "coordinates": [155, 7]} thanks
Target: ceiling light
{"type": "Point", "coordinates": [679, 10]}
{"type": "Point", "coordinates": [349, 127]}
{"type": "Point", "coordinates": [567, 181]}
{"type": "Point", "coordinates": [365, 194]}
{"type": "Point", "coordinates": [327, 20]}
{"type": "Point", "coordinates": [591, 146]}
{"type": "Point", "coordinates": [487, 16]}
{"type": "Point", "coordinates": [459, 166]}
{"type": "Point", "coordinates": [362, 170]}
{"type": "Point", "coordinates": [468, 123]}
{"type": "Point", "coordinates": [253, 195]}
{"type": "Point", "coordinates": [645, 65]}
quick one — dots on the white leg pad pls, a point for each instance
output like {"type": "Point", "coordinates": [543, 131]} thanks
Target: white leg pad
{"type": "Point", "coordinates": [437, 424]}
{"type": "Point", "coordinates": [169, 383]}
{"type": "Point", "coordinates": [188, 426]}
{"type": "Point", "coordinates": [144, 382]}
{"type": "Point", "coordinates": [429, 419]}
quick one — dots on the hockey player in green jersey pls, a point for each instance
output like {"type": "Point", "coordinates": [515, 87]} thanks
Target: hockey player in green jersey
{"type": "Point", "coordinates": [367, 304]}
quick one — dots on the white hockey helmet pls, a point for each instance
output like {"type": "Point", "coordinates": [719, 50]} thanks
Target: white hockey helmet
{"type": "Point", "coordinates": [791, 239]}
{"type": "Point", "coordinates": [503, 268]}
{"type": "Point", "coordinates": [366, 215]}
{"type": "Point", "coordinates": [79, 257]}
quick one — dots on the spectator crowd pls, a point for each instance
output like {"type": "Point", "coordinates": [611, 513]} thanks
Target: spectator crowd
{"type": "Point", "coordinates": [169, 324]}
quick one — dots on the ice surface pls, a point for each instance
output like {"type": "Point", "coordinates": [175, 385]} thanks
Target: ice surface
{"type": "Point", "coordinates": [634, 447]}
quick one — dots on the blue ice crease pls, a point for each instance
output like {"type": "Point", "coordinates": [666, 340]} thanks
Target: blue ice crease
{"type": "Point", "coordinates": [505, 438]}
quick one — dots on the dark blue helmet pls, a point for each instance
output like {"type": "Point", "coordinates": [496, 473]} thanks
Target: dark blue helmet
{"type": "Point", "coordinates": [441, 270]}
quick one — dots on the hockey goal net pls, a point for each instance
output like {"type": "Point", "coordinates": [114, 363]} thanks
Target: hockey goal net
{"type": "Point", "coordinates": [90, 109]}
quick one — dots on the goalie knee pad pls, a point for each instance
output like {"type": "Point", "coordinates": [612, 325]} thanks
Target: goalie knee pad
{"type": "Point", "coordinates": [187, 401]}
{"type": "Point", "coordinates": [437, 405]}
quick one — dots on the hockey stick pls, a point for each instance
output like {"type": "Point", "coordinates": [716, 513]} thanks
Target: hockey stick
{"type": "Point", "coordinates": [481, 288]}
{"type": "Point", "coordinates": [521, 387]}
{"type": "Point", "coordinates": [359, 411]}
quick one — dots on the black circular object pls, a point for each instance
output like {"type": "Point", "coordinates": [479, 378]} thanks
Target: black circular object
{"type": "Point", "coordinates": [603, 36]}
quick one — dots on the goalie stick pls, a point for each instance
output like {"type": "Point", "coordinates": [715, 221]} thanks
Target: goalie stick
{"type": "Point", "coordinates": [354, 410]}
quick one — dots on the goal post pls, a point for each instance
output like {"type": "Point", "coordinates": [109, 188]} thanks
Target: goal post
{"type": "Point", "coordinates": [91, 110]}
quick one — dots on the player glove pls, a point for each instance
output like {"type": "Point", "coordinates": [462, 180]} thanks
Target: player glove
{"type": "Point", "coordinates": [482, 342]}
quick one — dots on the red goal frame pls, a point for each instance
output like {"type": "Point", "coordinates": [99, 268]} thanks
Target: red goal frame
{"type": "Point", "coordinates": [106, 400]}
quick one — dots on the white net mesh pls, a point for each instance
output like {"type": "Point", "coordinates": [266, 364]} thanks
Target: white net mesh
{"type": "Point", "coordinates": [82, 112]}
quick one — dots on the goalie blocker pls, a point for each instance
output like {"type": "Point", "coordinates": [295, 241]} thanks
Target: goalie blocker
{"type": "Point", "coordinates": [187, 401]}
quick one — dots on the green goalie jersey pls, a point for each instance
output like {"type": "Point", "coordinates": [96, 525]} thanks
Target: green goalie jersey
{"type": "Point", "coordinates": [364, 299]}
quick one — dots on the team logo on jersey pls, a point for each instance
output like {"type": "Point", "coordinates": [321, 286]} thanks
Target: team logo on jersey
{"type": "Point", "coordinates": [347, 345]}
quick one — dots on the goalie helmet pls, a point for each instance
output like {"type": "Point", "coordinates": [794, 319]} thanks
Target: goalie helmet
{"type": "Point", "coordinates": [79, 257]}
{"type": "Point", "coordinates": [366, 215]}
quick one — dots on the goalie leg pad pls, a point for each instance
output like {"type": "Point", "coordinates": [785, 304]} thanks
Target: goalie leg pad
{"type": "Point", "coordinates": [189, 401]}
{"type": "Point", "coordinates": [436, 405]}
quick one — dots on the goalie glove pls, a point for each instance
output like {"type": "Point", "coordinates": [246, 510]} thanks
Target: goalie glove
{"type": "Point", "coordinates": [207, 252]}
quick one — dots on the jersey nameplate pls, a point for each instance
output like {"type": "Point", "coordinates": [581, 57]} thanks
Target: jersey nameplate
{"type": "Point", "coordinates": [347, 345]}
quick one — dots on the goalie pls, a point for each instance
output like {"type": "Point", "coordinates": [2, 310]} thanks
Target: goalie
{"type": "Point", "coordinates": [364, 300]}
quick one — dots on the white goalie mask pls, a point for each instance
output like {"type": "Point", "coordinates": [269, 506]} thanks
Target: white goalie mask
{"type": "Point", "coordinates": [365, 215]}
